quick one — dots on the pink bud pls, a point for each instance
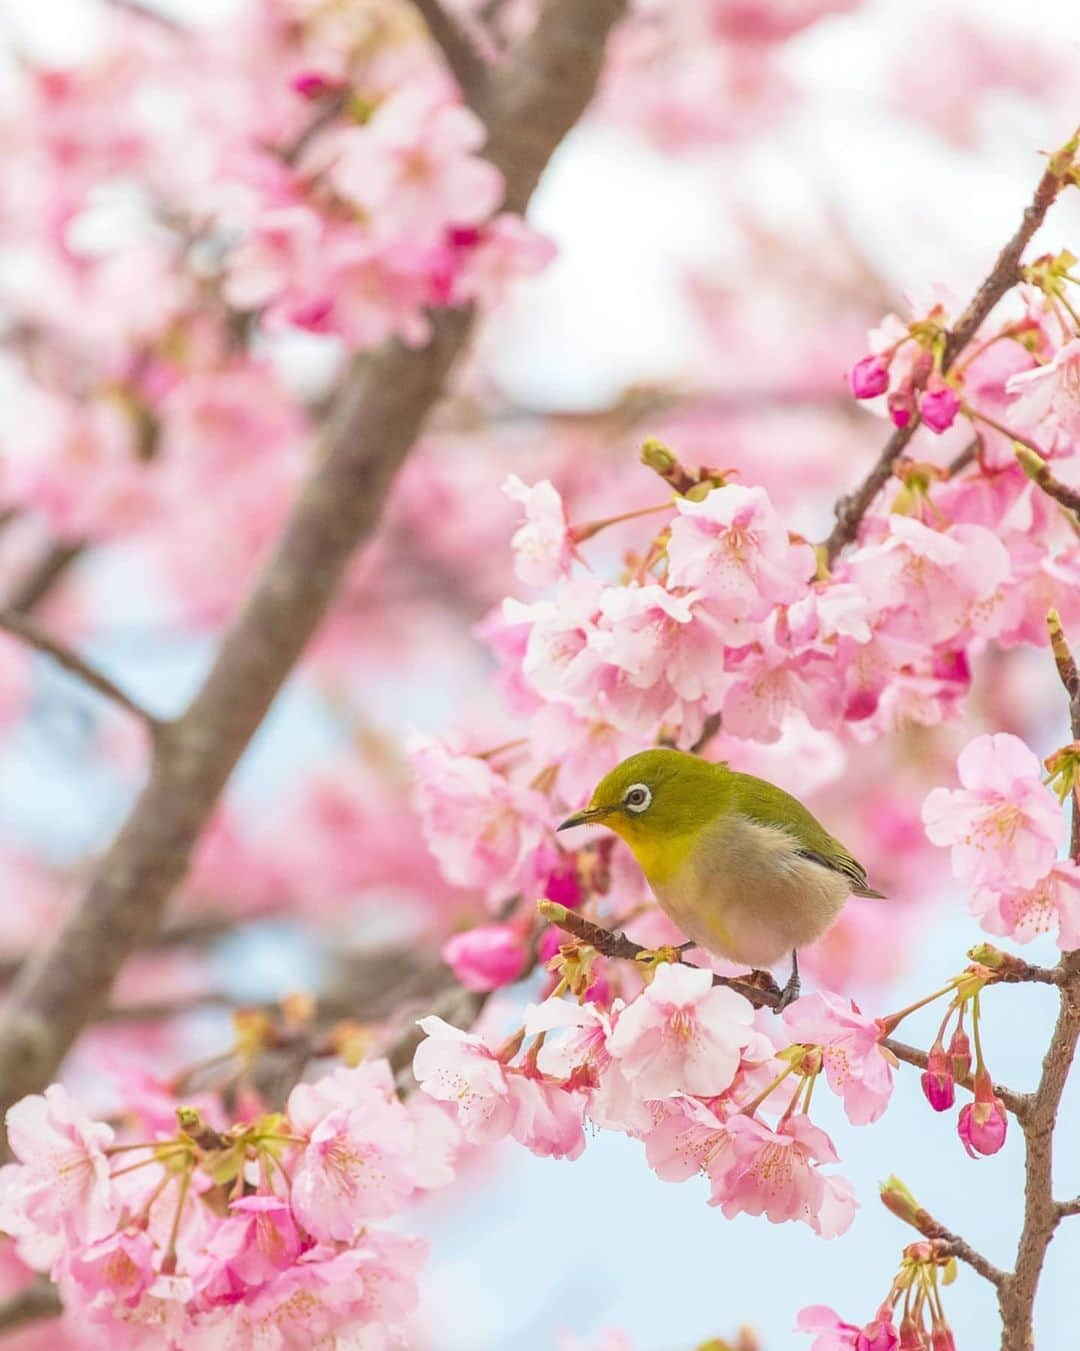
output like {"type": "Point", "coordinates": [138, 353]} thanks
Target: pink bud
{"type": "Point", "coordinates": [312, 84]}
{"type": "Point", "coordinates": [939, 406]}
{"type": "Point", "coordinates": [941, 1339]}
{"type": "Point", "coordinates": [982, 1124]}
{"type": "Point", "coordinates": [901, 406]}
{"type": "Point", "coordinates": [960, 1054]}
{"type": "Point", "coordinates": [911, 1336]}
{"type": "Point", "coordinates": [548, 944]}
{"type": "Point", "coordinates": [564, 888]}
{"type": "Point", "coordinates": [937, 1080]}
{"type": "Point", "coordinates": [869, 377]}
{"type": "Point", "coordinates": [486, 957]}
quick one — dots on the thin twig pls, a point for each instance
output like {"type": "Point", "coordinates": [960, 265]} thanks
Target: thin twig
{"type": "Point", "coordinates": [1017, 1103]}
{"type": "Point", "coordinates": [25, 629]}
{"type": "Point", "coordinates": [956, 1246]}
{"type": "Point", "coordinates": [43, 576]}
{"type": "Point", "coordinates": [1042, 475]}
{"type": "Point", "coordinates": [142, 10]}
{"type": "Point", "coordinates": [1066, 1208]}
{"type": "Point", "coordinates": [1002, 277]}
{"type": "Point", "coordinates": [466, 65]}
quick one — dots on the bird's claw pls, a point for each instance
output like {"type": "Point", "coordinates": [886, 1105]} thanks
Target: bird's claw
{"type": "Point", "coordinates": [788, 994]}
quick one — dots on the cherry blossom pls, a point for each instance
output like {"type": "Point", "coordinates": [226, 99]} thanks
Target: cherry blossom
{"type": "Point", "coordinates": [855, 1065]}
{"type": "Point", "coordinates": [1052, 904]}
{"type": "Point", "coordinates": [457, 1067]}
{"type": "Point", "coordinates": [682, 1034]}
{"type": "Point", "coordinates": [1047, 399]}
{"type": "Point", "coordinates": [486, 957]}
{"type": "Point", "coordinates": [1002, 825]}
{"type": "Point", "coordinates": [543, 549]}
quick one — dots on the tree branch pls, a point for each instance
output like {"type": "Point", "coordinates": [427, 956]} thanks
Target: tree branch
{"type": "Point", "coordinates": [40, 580]}
{"type": "Point", "coordinates": [383, 404]}
{"type": "Point", "coordinates": [1003, 276]}
{"type": "Point", "coordinates": [955, 1246]}
{"type": "Point", "coordinates": [1066, 1208]}
{"type": "Point", "coordinates": [465, 62]}
{"type": "Point", "coordinates": [37, 1301]}
{"type": "Point", "coordinates": [25, 629]}
{"type": "Point", "coordinates": [1017, 1103]}
{"type": "Point", "coordinates": [1040, 473]}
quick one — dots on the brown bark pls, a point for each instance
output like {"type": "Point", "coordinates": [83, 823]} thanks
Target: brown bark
{"type": "Point", "coordinates": [376, 418]}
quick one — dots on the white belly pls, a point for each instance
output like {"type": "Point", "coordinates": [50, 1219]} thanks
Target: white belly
{"type": "Point", "coordinates": [745, 894]}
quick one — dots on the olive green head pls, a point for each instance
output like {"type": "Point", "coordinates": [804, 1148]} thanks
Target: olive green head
{"type": "Point", "coordinates": [657, 794]}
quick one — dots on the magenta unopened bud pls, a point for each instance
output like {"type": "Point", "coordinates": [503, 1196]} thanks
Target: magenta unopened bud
{"type": "Point", "coordinates": [982, 1124]}
{"type": "Point", "coordinates": [869, 377]}
{"type": "Point", "coordinates": [937, 1080]}
{"type": "Point", "coordinates": [564, 888]}
{"type": "Point", "coordinates": [311, 84]}
{"type": "Point", "coordinates": [487, 957]}
{"type": "Point", "coordinates": [901, 407]}
{"type": "Point", "coordinates": [939, 406]}
{"type": "Point", "coordinates": [960, 1054]}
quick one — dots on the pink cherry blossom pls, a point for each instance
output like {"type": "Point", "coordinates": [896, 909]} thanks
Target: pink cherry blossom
{"type": "Point", "coordinates": [252, 1244]}
{"type": "Point", "coordinates": [116, 1268]}
{"type": "Point", "coordinates": [682, 1034]}
{"type": "Point", "coordinates": [1051, 904]}
{"type": "Point", "coordinates": [1003, 825]}
{"type": "Point", "coordinates": [459, 1068]}
{"type": "Point", "coordinates": [547, 1117]}
{"type": "Point", "coordinates": [485, 831]}
{"type": "Point", "coordinates": [486, 957]}
{"type": "Point", "coordinates": [61, 1182]}
{"type": "Point", "coordinates": [855, 1065]}
{"type": "Point", "coordinates": [733, 546]}
{"type": "Point", "coordinates": [831, 1333]}
{"type": "Point", "coordinates": [775, 1174]}
{"type": "Point", "coordinates": [411, 168]}
{"type": "Point", "coordinates": [1048, 397]}
{"type": "Point", "coordinates": [543, 549]}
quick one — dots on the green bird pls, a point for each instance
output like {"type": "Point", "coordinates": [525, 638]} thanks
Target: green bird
{"type": "Point", "coordinates": [742, 867]}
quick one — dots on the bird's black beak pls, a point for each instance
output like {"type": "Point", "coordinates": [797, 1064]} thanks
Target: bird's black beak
{"type": "Point", "coordinates": [583, 818]}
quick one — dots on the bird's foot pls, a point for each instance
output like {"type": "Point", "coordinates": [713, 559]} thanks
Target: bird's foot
{"type": "Point", "coordinates": [790, 993]}
{"type": "Point", "coordinates": [760, 980]}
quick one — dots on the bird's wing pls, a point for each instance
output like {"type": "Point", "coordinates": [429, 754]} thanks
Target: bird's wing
{"type": "Point", "coordinates": [848, 867]}
{"type": "Point", "coordinates": [764, 802]}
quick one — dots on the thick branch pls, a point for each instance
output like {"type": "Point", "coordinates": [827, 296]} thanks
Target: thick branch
{"type": "Point", "coordinates": [37, 1301]}
{"type": "Point", "coordinates": [25, 629]}
{"type": "Point", "coordinates": [380, 410]}
{"type": "Point", "coordinates": [1003, 276]}
{"type": "Point", "coordinates": [465, 62]}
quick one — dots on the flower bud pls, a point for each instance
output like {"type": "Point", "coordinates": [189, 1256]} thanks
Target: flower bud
{"type": "Point", "coordinates": [941, 1338]}
{"type": "Point", "coordinates": [982, 1124]}
{"type": "Point", "coordinates": [912, 1337]}
{"type": "Point", "coordinates": [901, 406]}
{"type": "Point", "coordinates": [486, 957]}
{"type": "Point", "coordinates": [937, 1080]}
{"type": "Point", "coordinates": [869, 377]}
{"type": "Point", "coordinates": [897, 1198]}
{"type": "Point", "coordinates": [960, 1054]}
{"type": "Point", "coordinates": [939, 405]}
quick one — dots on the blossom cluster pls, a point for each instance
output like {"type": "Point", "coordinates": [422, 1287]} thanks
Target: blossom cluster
{"type": "Point", "coordinates": [688, 1069]}
{"type": "Point", "coordinates": [1004, 828]}
{"type": "Point", "coordinates": [260, 1234]}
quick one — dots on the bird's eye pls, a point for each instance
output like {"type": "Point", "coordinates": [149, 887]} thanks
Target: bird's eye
{"type": "Point", "coordinates": [637, 797]}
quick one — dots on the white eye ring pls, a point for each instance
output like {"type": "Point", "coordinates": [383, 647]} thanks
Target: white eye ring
{"type": "Point", "coordinates": [638, 797]}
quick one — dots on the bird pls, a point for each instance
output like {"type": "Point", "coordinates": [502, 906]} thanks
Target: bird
{"type": "Point", "coordinates": [740, 865]}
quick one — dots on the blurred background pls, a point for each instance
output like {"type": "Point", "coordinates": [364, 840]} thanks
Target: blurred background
{"type": "Point", "coordinates": [730, 221]}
